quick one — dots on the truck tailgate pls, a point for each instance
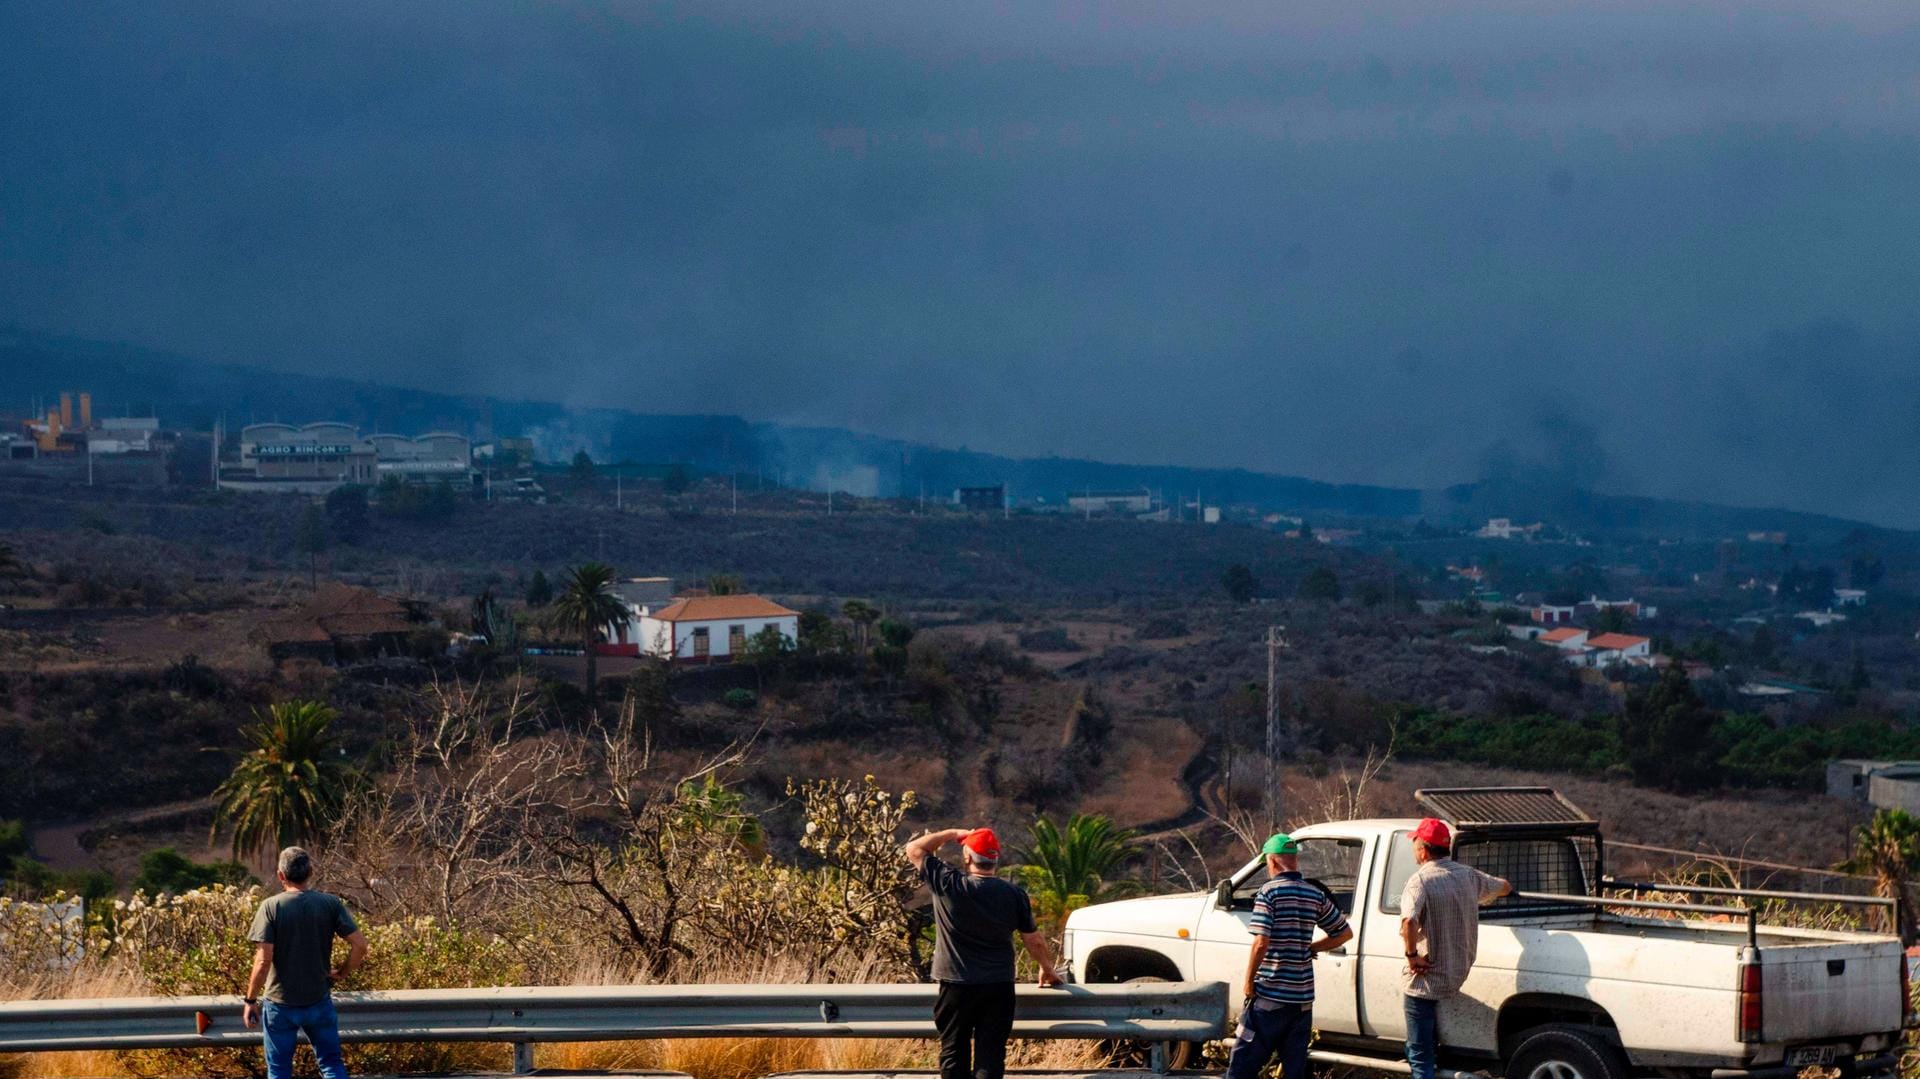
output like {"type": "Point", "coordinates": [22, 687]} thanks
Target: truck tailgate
{"type": "Point", "coordinates": [1830, 990]}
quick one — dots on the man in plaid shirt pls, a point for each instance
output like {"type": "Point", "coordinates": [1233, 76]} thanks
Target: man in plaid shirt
{"type": "Point", "coordinates": [1278, 1013]}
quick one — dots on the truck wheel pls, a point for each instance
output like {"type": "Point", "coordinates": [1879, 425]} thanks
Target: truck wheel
{"type": "Point", "coordinates": [1564, 1052]}
{"type": "Point", "coordinates": [1180, 1055]}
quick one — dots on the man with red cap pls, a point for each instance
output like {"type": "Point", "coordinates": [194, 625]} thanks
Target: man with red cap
{"type": "Point", "coordinates": [1440, 907]}
{"type": "Point", "coordinates": [975, 915]}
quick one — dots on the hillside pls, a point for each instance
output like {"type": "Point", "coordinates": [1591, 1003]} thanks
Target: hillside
{"type": "Point", "coordinates": [191, 394]}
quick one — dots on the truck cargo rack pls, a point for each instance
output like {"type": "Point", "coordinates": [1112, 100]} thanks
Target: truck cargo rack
{"type": "Point", "coordinates": [1748, 914]}
{"type": "Point", "coordinates": [1506, 809]}
{"type": "Point", "coordinates": [1637, 887]}
{"type": "Point", "coordinates": [1492, 827]}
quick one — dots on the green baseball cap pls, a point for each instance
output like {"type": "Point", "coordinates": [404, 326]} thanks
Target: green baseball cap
{"type": "Point", "coordinates": [1280, 843]}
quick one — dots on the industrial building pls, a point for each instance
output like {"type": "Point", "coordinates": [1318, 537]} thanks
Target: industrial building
{"type": "Point", "coordinates": [317, 457]}
{"type": "Point", "coordinates": [436, 455]}
{"type": "Point", "coordinates": [68, 442]}
{"type": "Point", "coordinates": [981, 499]}
{"type": "Point", "coordinates": [1121, 503]}
{"type": "Point", "coordinates": [1880, 784]}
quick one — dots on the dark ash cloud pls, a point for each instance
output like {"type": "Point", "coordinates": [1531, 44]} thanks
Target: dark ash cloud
{"type": "Point", "coordinates": [1361, 246]}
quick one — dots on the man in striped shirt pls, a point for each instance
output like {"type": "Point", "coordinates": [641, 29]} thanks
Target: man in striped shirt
{"type": "Point", "coordinates": [1278, 1013]}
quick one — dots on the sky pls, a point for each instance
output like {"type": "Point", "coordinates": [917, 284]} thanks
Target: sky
{"type": "Point", "coordinates": [1663, 247]}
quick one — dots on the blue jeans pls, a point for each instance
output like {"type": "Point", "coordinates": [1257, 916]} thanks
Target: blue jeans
{"type": "Point", "coordinates": [1423, 1035]}
{"type": "Point", "coordinates": [1265, 1031]}
{"type": "Point", "coordinates": [281, 1024]}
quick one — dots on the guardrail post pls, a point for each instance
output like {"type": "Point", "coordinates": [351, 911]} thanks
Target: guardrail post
{"type": "Point", "coordinates": [1157, 1058]}
{"type": "Point", "coordinates": [523, 1058]}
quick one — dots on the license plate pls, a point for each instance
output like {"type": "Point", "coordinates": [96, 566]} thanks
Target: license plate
{"type": "Point", "coordinates": [1812, 1054]}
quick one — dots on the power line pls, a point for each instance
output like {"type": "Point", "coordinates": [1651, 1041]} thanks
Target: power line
{"type": "Point", "coordinates": [1275, 642]}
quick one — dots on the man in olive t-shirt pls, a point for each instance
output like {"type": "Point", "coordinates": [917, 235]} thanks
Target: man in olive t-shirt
{"type": "Point", "coordinates": [293, 960]}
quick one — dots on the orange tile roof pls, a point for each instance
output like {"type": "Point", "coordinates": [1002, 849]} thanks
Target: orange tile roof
{"type": "Point", "coordinates": [1617, 641]}
{"type": "Point", "coordinates": [1565, 633]}
{"type": "Point", "coordinates": [720, 608]}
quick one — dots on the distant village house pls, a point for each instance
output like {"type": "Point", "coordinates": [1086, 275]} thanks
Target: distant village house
{"type": "Point", "coordinates": [341, 623]}
{"type": "Point", "coordinates": [691, 628]}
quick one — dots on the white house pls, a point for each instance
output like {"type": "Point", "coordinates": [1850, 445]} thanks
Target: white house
{"type": "Point", "coordinates": [1608, 649]}
{"type": "Point", "coordinates": [1553, 614]}
{"type": "Point", "coordinates": [1503, 528]}
{"type": "Point", "coordinates": [1849, 597]}
{"type": "Point", "coordinates": [1566, 638]}
{"type": "Point", "coordinates": [705, 629]}
{"type": "Point", "coordinates": [1822, 619]}
{"type": "Point", "coordinates": [1635, 610]}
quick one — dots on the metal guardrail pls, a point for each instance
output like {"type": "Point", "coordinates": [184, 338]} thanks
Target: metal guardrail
{"type": "Point", "coordinates": [1166, 1011]}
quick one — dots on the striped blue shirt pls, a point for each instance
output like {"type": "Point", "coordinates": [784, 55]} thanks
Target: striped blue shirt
{"type": "Point", "coordinates": [1285, 910]}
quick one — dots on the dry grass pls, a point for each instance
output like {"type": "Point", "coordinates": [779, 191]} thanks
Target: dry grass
{"type": "Point", "coordinates": [92, 985]}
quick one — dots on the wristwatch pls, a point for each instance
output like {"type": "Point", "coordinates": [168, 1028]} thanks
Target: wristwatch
{"type": "Point", "coordinates": [249, 1000]}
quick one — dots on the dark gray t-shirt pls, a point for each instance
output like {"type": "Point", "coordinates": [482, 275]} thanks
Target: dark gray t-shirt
{"type": "Point", "coordinates": [976, 918]}
{"type": "Point", "coordinates": [301, 927]}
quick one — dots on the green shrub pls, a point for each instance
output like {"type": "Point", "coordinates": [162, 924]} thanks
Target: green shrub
{"type": "Point", "coordinates": [167, 870]}
{"type": "Point", "coordinates": [740, 698]}
{"type": "Point", "coordinates": [196, 943]}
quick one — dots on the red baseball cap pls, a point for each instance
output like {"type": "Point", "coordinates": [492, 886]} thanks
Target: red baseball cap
{"type": "Point", "coordinates": [983, 842]}
{"type": "Point", "coordinates": [1433, 832]}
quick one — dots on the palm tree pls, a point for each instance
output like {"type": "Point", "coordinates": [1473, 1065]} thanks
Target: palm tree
{"type": "Point", "coordinates": [862, 614]}
{"type": "Point", "coordinates": [586, 606]}
{"type": "Point", "coordinates": [1888, 847]}
{"type": "Point", "coordinates": [1074, 867]}
{"type": "Point", "coordinates": [290, 786]}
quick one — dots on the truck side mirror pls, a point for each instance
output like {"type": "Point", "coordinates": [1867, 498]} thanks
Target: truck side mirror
{"type": "Point", "coordinates": [1223, 896]}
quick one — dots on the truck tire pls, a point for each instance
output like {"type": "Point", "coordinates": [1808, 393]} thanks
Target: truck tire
{"type": "Point", "coordinates": [1564, 1052]}
{"type": "Point", "coordinates": [1180, 1055]}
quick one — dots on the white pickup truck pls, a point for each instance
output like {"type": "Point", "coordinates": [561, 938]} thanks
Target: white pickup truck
{"type": "Point", "coordinates": [1567, 985]}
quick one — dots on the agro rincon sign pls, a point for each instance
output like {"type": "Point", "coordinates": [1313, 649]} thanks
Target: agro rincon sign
{"type": "Point", "coordinates": [296, 449]}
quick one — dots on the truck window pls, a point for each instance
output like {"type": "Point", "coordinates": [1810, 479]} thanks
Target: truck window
{"type": "Point", "coordinates": [1333, 864]}
{"type": "Point", "coordinates": [1557, 865]}
{"type": "Point", "coordinates": [1400, 866]}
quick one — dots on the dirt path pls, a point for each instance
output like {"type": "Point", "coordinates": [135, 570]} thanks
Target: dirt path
{"type": "Point", "coordinates": [60, 846]}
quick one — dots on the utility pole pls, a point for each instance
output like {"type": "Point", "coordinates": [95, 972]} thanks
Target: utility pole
{"type": "Point", "coordinates": [619, 492]}
{"type": "Point", "coordinates": [1275, 642]}
{"type": "Point", "coordinates": [733, 478]}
